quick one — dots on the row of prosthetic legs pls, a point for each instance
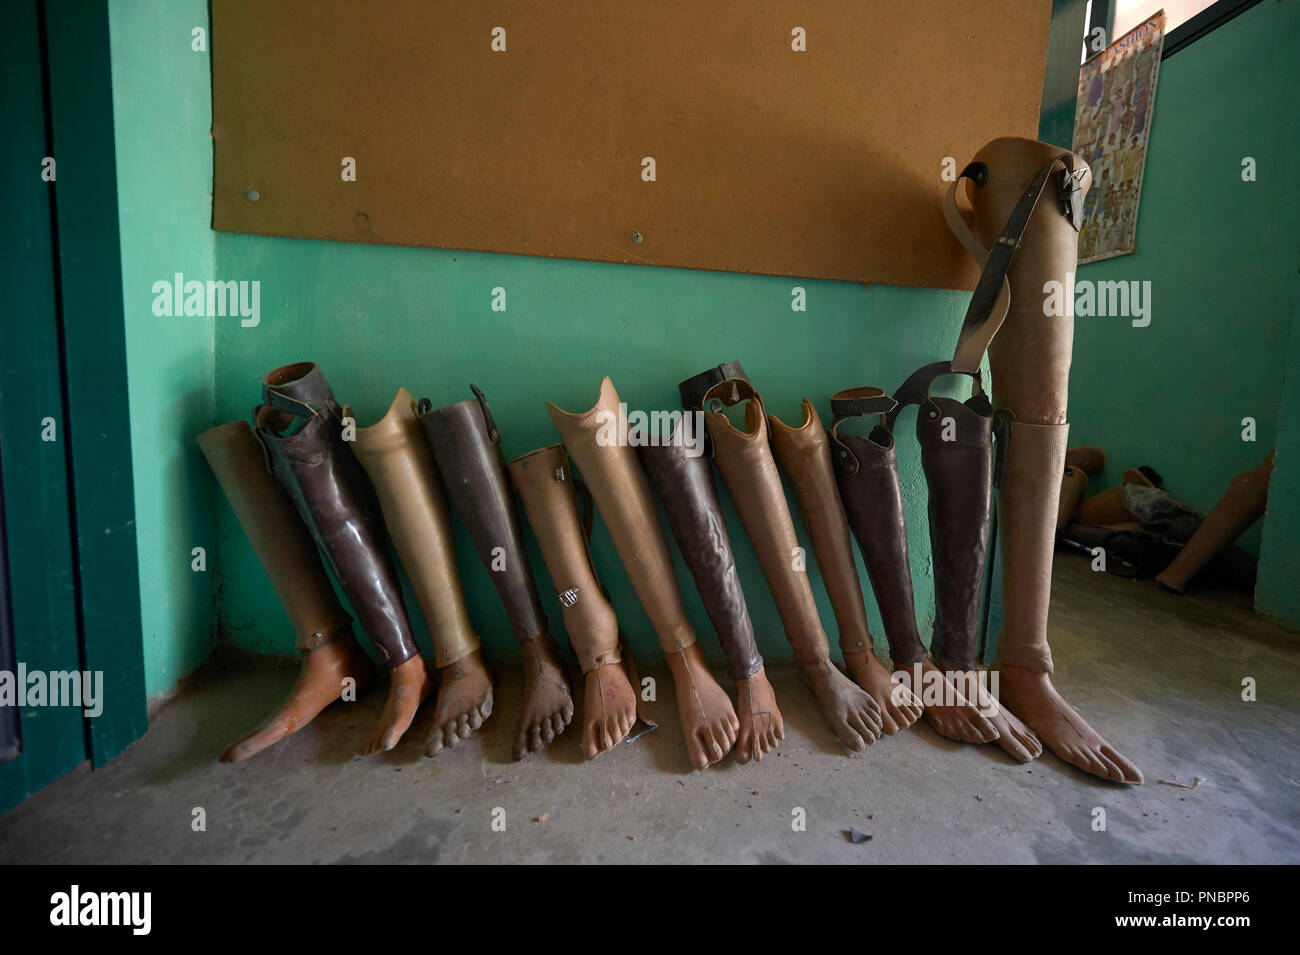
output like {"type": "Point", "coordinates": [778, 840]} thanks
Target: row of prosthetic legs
{"type": "Point", "coordinates": [306, 480]}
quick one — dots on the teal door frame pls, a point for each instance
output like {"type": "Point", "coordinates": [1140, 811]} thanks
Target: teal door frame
{"type": "Point", "coordinates": [67, 487]}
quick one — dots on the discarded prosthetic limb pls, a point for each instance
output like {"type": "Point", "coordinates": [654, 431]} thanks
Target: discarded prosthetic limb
{"type": "Point", "coordinates": [804, 454]}
{"type": "Point", "coordinates": [1242, 505]}
{"type": "Point", "coordinates": [1108, 508]}
{"type": "Point", "coordinates": [684, 483]}
{"type": "Point", "coordinates": [598, 445]}
{"type": "Point", "coordinates": [335, 499]}
{"type": "Point", "coordinates": [397, 458]}
{"type": "Point", "coordinates": [545, 483]}
{"type": "Point", "coordinates": [749, 470]}
{"type": "Point", "coordinates": [1023, 244]}
{"type": "Point", "coordinates": [331, 655]}
{"type": "Point", "coordinates": [866, 470]}
{"type": "Point", "coordinates": [466, 447]}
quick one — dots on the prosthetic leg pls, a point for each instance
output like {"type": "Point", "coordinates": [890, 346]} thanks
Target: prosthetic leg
{"type": "Point", "coordinates": [334, 498]}
{"type": "Point", "coordinates": [545, 483]}
{"type": "Point", "coordinates": [466, 446]}
{"type": "Point", "coordinates": [745, 460]}
{"type": "Point", "coordinates": [1242, 505]}
{"type": "Point", "coordinates": [599, 447]}
{"type": "Point", "coordinates": [804, 455]}
{"type": "Point", "coordinates": [866, 469]}
{"type": "Point", "coordinates": [397, 458]}
{"type": "Point", "coordinates": [956, 441]}
{"type": "Point", "coordinates": [684, 483]}
{"type": "Point", "coordinates": [1024, 244]}
{"type": "Point", "coordinates": [330, 653]}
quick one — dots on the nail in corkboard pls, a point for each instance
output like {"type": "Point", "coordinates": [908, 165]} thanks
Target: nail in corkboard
{"type": "Point", "coordinates": [824, 162]}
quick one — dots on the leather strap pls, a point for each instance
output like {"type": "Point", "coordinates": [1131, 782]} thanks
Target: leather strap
{"type": "Point", "coordinates": [493, 434]}
{"type": "Point", "coordinates": [853, 403]}
{"type": "Point", "coordinates": [695, 388]}
{"type": "Point", "coordinates": [992, 297]}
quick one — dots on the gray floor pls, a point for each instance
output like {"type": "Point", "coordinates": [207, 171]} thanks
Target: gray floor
{"type": "Point", "coordinates": [1160, 675]}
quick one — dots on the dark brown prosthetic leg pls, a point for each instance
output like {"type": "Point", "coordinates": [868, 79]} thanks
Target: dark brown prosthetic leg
{"type": "Point", "coordinates": [745, 459]}
{"type": "Point", "coordinates": [866, 469]}
{"type": "Point", "coordinates": [334, 498]}
{"type": "Point", "coordinates": [683, 479]}
{"type": "Point", "coordinates": [330, 653]}
{"type": "Point", "coordinates": [956, 441]}
{"type": "Point", "coordinates": [466, 445]}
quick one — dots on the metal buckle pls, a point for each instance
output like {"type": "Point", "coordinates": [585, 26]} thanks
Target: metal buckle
{"type": "Point", "coordinates": [568, 598]}
{"type": "Point", "coordinates": [1070, 191]}
{"type": "Point", "coordinates": [559, 474]}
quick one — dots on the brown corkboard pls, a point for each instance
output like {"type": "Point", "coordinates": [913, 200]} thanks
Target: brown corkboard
{"type": "Point", "coordinates": [824, 163]}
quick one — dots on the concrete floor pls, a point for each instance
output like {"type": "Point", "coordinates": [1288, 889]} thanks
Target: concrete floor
{"type": "Point", "coordinates": [1159, 675]}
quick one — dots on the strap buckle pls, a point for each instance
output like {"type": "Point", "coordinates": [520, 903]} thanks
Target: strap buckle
{"type": "Point", "coordinates": [1070, 191]}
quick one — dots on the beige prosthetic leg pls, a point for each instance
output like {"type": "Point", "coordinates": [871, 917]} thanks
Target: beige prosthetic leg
{"type": "Point", "coordinates": [622, 495]}
{"type": "Point", "coordinates": [745, 460]}
{"type": "Point", "coordinates": [545, 483]}
{"type": "Point", "coordinates": [804, 455]}
{"type": "Point", "coordinates": [1242, 505]}
{"type": "Point", "coordinates": [1030, 360]}
{"type": "Point", "coordinates": [323, 629]}
{"type": "Point", "coordinates": [397, 459]}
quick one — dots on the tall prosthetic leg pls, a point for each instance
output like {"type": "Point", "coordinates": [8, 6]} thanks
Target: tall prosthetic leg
{"type": "Point", "coordinates": [745, 460]}
{"type": "Point", "coordinates": [956, 441]}
{"type": "Point", "coordinates": [598, 444]}
{"type": "Point", "coordinates": [397, 458]}
{"type": "Point", "coordinates": [804, 455]}
{"type": "Point", "coordinates": [466, 445]}
{"type": "Point", "coordinates": [684, 482]}
{"type": "Point", "coordinates": [866, 469]}
{"type": "Point", "coordinates": [330, 653]}
{"type": "Point", "coordinates": [334, 497]}
{"type": "Point", "coordinates": [1024, 244]}
{"type": "Point", "coordinates": [545, 483]}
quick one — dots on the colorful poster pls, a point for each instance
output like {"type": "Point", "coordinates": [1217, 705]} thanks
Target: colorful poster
{"type": "Point", "coordinates": [1112, 119]}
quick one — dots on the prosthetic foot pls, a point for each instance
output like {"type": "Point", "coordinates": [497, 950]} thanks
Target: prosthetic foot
{"type": "Point", "coordinates": [866, 470]}
{"type": "Point", "coordinates": [545, 484]}
{"type": "Point", "coordinates": [334, 497]}
{"type": "Point", "coordinates": [1242, 505]}
{"type": "Point", "coordinates": [397, 458]}
{"type": "Point", "coordinates": [684, 483]}
{"type": "Point", "coordinates": [598, 445]}
{"type": "Point", "coordinates": [466, 447]}
{"type": "Point", "coordinates": [1025, 243]}
{"type": "Point", "coordinates": [804, 455]}
{"type": "Point", "coordinates": [330, 653]}
{"type": "Point", "coordinates": [745, 460]}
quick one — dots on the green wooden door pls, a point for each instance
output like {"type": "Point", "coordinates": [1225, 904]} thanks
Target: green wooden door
{"type": "Point", "coordinates": [65, 449]}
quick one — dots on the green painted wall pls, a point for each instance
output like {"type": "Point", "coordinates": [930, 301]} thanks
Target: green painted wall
{"type": "Point", "coordinates": [1221, 255]}
{"type": "Point", "coordinates": [379, 317]}
{"type": "Point", "coordinates": [163, 114]}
